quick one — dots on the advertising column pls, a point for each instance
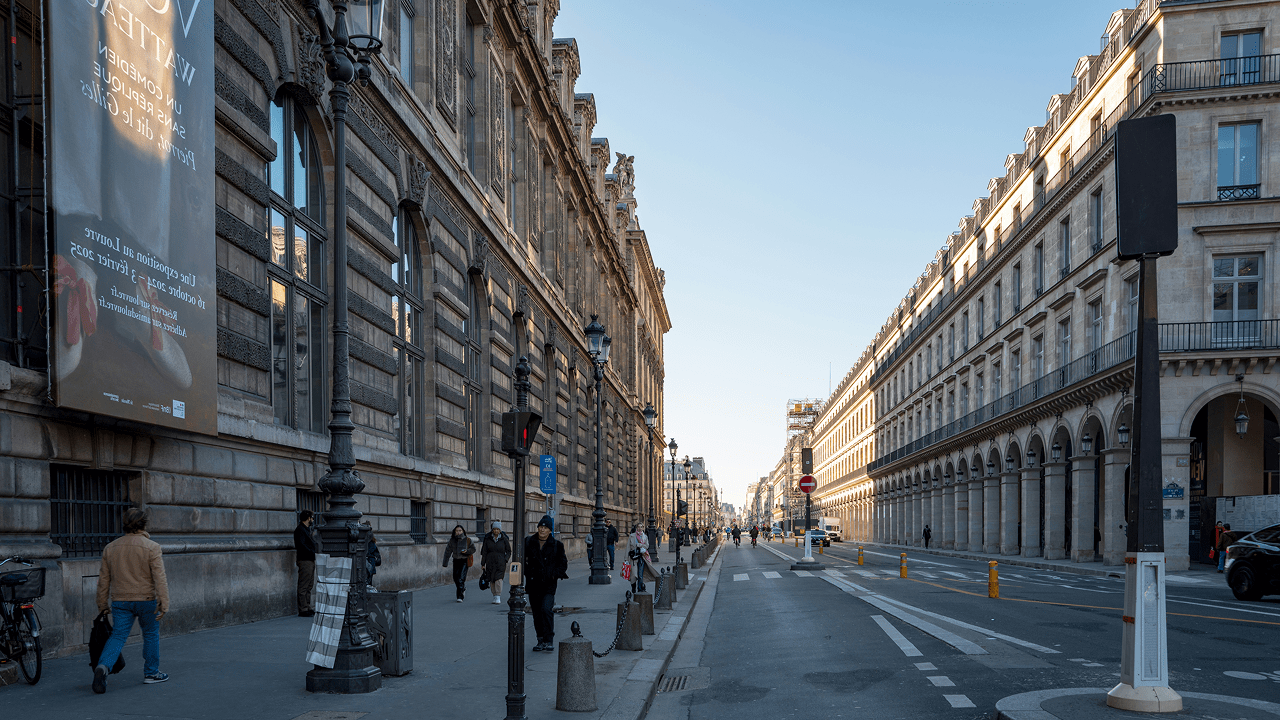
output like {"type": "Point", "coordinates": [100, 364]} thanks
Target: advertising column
{"type": "Point", "coordinates": [131, 158]}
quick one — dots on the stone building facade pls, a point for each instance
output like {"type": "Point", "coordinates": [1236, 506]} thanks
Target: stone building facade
{"type": "Point", "coordinates": [484, 225]}
{"type": "Point", "coordinates": [999, 387]}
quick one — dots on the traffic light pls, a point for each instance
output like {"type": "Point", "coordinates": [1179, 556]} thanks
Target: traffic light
{"type": "Point", "coordinates": [806, 461]}
{"type": "Point", "coordinates": [518, 431]}
{"type": "Point", "coordinates": [682, 509]}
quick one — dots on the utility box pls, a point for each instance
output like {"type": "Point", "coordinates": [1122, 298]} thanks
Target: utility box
{"type": "Point", "coordinates": [391, 625]}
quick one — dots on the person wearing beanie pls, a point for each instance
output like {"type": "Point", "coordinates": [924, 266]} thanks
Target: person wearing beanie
{"type": "Point", "coordinates": [545, 565]}
{"type": "Point", "coordinates": [494, 554]}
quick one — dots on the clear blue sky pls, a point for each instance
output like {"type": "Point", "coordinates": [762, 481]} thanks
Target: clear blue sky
{"type": "Point", "coordinates": [797, 166]}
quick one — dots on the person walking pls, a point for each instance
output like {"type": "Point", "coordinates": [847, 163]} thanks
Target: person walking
{"type": "Point", "coordinates": [927, 534]}
{"type": "Point", "coordinates": [494, 554]}
{"type": "Point", "coordinates": [639, 553]}
{"type": "Point", "coordinates": [545, 565]}
{"type": "Point", "coordinates": [372, 560]}
{"type": "Point", "coordinates": [305, 546]}
{"type": "Point", "coordinates": [132, 578]}
{"type": "Point", "coordinates": [610, 539]}
{"type": "Point", "coordinates": [1225, 539]}
{"type": "Point", "coordinates": [460, 549]}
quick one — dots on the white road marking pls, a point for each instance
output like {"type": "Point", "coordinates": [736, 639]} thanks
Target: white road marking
{"type": "Point", "coordinates": [890, 572]}
{"type": "Point", "coordinates": [975, 628]}
{"type": "Point", "coordinates": [1079, 659]}
{"type": "Point", "coordinates": [836, 573]}
{"type": "Point", "coordinates": [946, 636]}
{"type": "Point", "coordinates": [925, 666]}
{"type": "Point", "coordinates": [960, 575]}
{"type": "Point", "coordinates": [929, 575]}
{"type": "Point", "coordinates": [1223, 607]}
{"type": "Point", "coordinates": [898, 638]}
{"type": "Point", "coordinates": [1184, 580]}
{"type": "Point", "coordinates": [771, 575]}
{"type": "Point", "coordinates": [739, 577]}
{"type": "Point", "coordinates": [941, 681]}
{"type": "Point", "coordinates": [803, 573]}
{"type": "Point", "coordinates": [1092, 665]}
{"type": "Point", "coordinates": [959, 701]}
{"type": "Point", "coordinates": [866, 573]}
{"type": "Point", "coordinates": [912, 558]}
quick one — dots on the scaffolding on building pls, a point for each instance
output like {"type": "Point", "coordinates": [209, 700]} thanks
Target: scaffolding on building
{"type": "Point", "coordinates": [801, 416]}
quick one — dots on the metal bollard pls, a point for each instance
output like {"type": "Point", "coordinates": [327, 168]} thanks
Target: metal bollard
{"type": "Point", "coordinates": [993, 580]}
{"type": "Point", "coordinates": [576, 674]}
{"type": "Point", "coordinates": [629, 626]}
{"type": "Point", "coordinates": [859, 554]}
{"type": "Point", "coordinates": [902, 570]}
{"type": "Point", "coordinates": [819, 547]}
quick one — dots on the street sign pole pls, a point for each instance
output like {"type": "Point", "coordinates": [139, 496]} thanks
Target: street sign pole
{"type": "Point", "coordinates": [807, 486]}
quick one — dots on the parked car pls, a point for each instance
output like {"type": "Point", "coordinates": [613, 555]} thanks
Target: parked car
{"type": "Point", "coordinates": [1253, 564]}
{"type": "Point", "coordinates": [777, 532]}
{"type": "Point", "coordinates": [833, 535]}
{"type": "Point", "coordinates": [820, 536]}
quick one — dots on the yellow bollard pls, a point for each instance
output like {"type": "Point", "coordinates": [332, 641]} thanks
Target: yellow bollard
{"type": "Point", "coordinates": [859, 554]}
{"type": "Point", "coordinates": [902, 571]}
{"type": "Point", "coordinates": [993, 580]}
{"type": "Point", "coordinates": [819, 548]}
{"type": "Point", "coordinates": [797, 537]}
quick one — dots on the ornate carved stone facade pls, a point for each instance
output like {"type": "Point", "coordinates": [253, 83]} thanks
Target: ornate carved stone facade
{"type": "Point", "coordinates": [478, 233]}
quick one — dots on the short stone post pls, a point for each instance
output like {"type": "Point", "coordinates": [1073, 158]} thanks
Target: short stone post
{"type": "Point", "coordinates": [645, 601]}
{"type": "Point", "coordinates": [665, 585]}
{"type": "Point", "coordinates": [682, 576]}
{"type": "Point", "coordinates": [576, 674]}
{"type": "Point", "coordinates": [629, 626]}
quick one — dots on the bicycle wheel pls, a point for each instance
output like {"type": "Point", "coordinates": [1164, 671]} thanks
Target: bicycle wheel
{"type": "Point", "coordinates": [31, 661]}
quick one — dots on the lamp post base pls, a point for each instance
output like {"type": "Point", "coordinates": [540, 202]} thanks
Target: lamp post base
{"type": "Point", "coordinates": [1144, 699]}
{"type": "Point", "coordinates": [599, 579]}
{"type": "Point", "coordinates": [352, 673]}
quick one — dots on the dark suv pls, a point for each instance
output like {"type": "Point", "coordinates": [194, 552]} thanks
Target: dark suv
{"type": "Point", "coordinates": [1253, 564]}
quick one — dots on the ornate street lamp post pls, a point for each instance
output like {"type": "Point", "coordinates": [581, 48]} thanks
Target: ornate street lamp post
{"type": "Point", "coordinates": [347, 58]}
{"type": "Point", "coordinates": [598, 348]}
{"type": "Point", "coordinates": [650, 421]}
{"type": "Point", "coordinates": [672, 537]}
{"type": "Point", "coordinates": [684, 534]}
{"type": "Point", "coordinates": [519, 428]}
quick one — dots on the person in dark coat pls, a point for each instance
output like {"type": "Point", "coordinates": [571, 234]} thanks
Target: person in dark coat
{"type": "Point", "coordinates": [304, 543]}
{"type": "Point", "coordinates": [495, 552]}
{"type": "Point", "coordinates": [545, 564]}
{"type": "Point", "coordinates": [372, 560]}
{"type": "Point", "coordinates": [610, 539]}
{"type": "Point", "coordinates": [928, 535]}
{"type": "Point", "coordinates": [460, 548]}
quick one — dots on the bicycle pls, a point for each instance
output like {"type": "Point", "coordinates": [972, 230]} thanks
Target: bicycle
{"type": "Point", "coordinates": [19, 626]}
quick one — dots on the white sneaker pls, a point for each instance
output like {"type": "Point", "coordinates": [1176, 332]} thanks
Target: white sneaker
{"type": "Point", "coordinates": [459, 600]}
{"type": "Point", "coordinates": [497, 600]}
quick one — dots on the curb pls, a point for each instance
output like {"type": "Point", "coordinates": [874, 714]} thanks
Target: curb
{"type": "Point", "coordinates": [638, 690]}
{"type": "Point", "coordinates": [9, 674]}
{"type": "Point", "coordinates": [1026, 706]}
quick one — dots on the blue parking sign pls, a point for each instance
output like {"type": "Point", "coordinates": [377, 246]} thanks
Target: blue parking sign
{"type": "Point", "coordinates": [547, 474]}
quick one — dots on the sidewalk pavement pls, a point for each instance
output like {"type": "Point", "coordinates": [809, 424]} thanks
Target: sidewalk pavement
{"type": "Point", "coordinates": [1198, 570]}
{"type": "Point", "coordinates": [257, 671]}
{"type": "Point", "coordinates": [1090, 703]}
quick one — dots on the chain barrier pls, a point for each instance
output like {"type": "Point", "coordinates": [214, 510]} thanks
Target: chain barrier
{"type": "Point", "coordinates": [626, 609]}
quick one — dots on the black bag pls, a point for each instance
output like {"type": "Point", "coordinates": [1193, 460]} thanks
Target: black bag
{"type": "Point", "coordinates": [484, 582]}
{"type": "Point", "coordinates": [98, 638]}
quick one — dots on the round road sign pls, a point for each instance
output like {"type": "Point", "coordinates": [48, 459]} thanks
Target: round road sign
{"type": "Point", "coordinates": [807, 484]}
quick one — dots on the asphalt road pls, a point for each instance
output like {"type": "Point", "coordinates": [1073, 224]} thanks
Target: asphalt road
{"type": "Point", "coordinates": [862, 642]}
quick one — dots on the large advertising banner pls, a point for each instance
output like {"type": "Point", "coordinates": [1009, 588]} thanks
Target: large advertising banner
{"type": "Point", "coordinates": [131, 158]}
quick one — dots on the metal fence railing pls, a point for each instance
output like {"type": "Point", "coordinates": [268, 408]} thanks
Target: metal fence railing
{"type": "Point", "coordinates": [86, 508]}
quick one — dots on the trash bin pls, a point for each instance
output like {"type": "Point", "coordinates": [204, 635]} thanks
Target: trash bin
{"type": "Point", "coordinates": [391, 625]}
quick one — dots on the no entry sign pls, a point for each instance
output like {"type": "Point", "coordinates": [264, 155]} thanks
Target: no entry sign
{"type": "Point", "coordinates": [807, 484]}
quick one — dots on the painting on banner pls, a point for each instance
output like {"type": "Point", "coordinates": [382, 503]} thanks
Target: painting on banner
{"type": "Point", "coordinates": [131, 159]}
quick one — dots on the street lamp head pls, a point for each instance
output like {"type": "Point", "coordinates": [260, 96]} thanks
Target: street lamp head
{"type": "Point", "coordinates": [672, 447]}
{"type": "Point", "coordinates": [366, 25]}
{"type": "Point", "coordinates": [687, 465]}
{"type": "Point", "coordinates": [1031, 458]}
{"type": "Point", "coordinates": [1056, 451]}
{"type": "Point", "coordinates": [1086, 443]}
{"type": "Point", "coordinates": [1008, 463]}
{"type": "Point", "coordinates": [991, 468]}
{"type": "Point", "coordinates": [1122, 434]}
{"type": "Point", "coordinates": [604, 351]}
{"type": "Point", "coordinates": [650, 415]}
{"type": "Point", "coordinates": [595, 333]}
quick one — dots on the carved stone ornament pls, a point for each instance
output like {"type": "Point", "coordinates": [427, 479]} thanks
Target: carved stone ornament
{"type": "Point", "coordinates": [311, 70]}
{"type": "Point", "coordinates": [480, 258]}
{"type": "Point", "coordinates": [418, 177]}
{"type": "Point", "coordinates": [553, 334]}
{"type": "Point", "coordinates": [522, 300]}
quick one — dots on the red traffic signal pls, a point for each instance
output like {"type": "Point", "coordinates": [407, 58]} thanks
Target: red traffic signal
{"type": "Point", "coordinates": [519, 429]}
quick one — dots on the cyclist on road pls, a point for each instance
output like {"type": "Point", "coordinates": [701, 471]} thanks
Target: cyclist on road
{"type": "Point", "coordinates": [737, 534]}
{"type": "Point", "coordinates": [755, 533]}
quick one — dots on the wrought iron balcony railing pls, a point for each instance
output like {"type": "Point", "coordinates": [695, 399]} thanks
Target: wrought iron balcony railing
{"type": "Point", "coordinates": [1233, 335]}
{"type": "Point", "coordinates": [1238, 192]}
{"type": "Point", "coordinates": [1207, 74]}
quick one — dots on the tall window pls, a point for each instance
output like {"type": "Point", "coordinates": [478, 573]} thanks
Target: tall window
{"type": "Point", "coordinates": [1017, 287]}
{"type": "Point", "coordinates": [982, 314]}
{"type": "Point", "coordinates": [1095, 325]}
{"type": "Point", "coordinates": [1038, 260]}
{"type": "Point", "coordinates": [1240, 61]}
{"type": "Point", "coordinates": [296, 234]}
{"type": "Point", "coordinates": [1064, 244]}
{"type": "Point", "coordinates": [1015, 369]}
{"type": "Point", "coordinates": [475, 374]}
{"type": "Point", "coordinates": [951, 342]}
{"type": "Point", "coordinates": [951, 406]}
{"type": "Point", "coordinates": [1037, 357]}
{"type": "Point", "coordinates": [964, 331]}
{"type": "Point", "coordinates": [980, 389]}
{"type": "Point", "coordinates": [1095, 220]}
{"type": "Point", "coordinates": [995, 381]}
{"type": "Point", "coordinates": [1064, 342]}
{"type": "Point", "coordinates": [1236, 286]}
{"type": "Point", "coordinates": [1131, 303]}
{"type": "Point", "coordinates": [1238, 161]}
{"type": "Point", "coordinates": [406, 310]}
{"type": "Point", "coordinates": [928, 354]}
{"type": "Point", "coordinates": [998, 297]}
{"type": "Point", "coordinates": [406, 42]}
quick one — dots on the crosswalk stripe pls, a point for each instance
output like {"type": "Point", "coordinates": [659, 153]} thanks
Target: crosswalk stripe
{"type": "Point", "coordinates": [959, 701]}
{"type": "Point", "coordinates": [771, 575]}
{"type": "Point", "coordinates": [803, 573]}
{"type": "Point", "coordinates": [929, 575]}
{"type": "Point", "coordinates": [889, 572]}
{"type": "Point", "coordinates": [941, 681]}
{"type": "Point", "coordinates": [960, 575]}
{"type": "Point", "coordinates": [837, 573]}
{"type": "Point", "coordinates": [898, 638]}
{"type": "Point", "coordinates": [866, 573]}
{"type": "Point", "coordinates": [739, 577]}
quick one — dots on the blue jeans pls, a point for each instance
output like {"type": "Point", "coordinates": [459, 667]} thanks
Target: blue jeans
{"type": "Point", "coordinates": [1222, 559]}
{"type": "Point", "coordinates": [610, 554]}
{"type": "Point", "coordinates": [122, 615]}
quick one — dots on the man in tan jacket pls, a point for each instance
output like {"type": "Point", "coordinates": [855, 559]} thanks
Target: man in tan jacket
{"type": "Point", "coordinates": [132, 577]}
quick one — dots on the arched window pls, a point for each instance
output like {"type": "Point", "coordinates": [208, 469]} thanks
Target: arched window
{"type": "Point", "coordinates": [297, 235]}
{"type": "Point", "coordinates": [406, 308]}
{"type": "Point", "coordinates": [475, 368]}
